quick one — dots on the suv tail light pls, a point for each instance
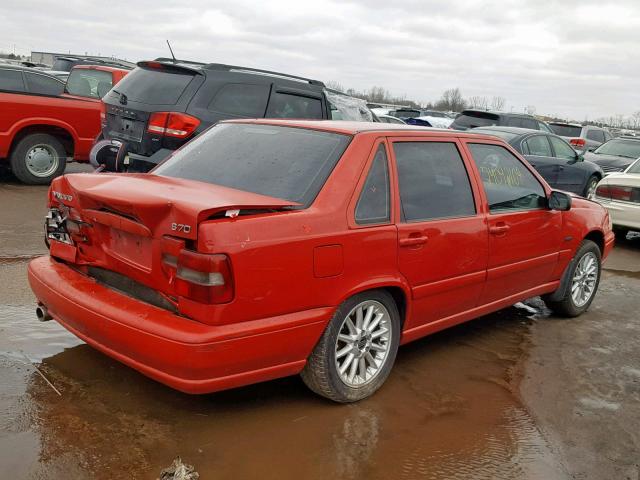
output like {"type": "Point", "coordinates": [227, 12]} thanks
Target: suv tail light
{"type": "Point", "coordinates": [577, 142]}
{"type": "Point", "coordinates": [202, 277]}
{"type": "Point", "coordinates": [615, 192]}
{"type": "Point", "coordinates": [172, 124]}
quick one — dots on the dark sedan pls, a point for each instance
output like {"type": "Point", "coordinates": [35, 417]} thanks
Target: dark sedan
{"type": "Point", "coordinates": [560, 165]}
{"type": "Point", "coordinates": [616, 154]}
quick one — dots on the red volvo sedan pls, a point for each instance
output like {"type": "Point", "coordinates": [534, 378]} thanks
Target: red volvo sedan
{"type": "Point", "coordinates": [268, 248]}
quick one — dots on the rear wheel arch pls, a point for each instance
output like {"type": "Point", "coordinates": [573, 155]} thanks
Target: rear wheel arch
{"type": "Point", "coordinates": [400, 294]}
{"type": "Point", "coordinates": [65, 137]}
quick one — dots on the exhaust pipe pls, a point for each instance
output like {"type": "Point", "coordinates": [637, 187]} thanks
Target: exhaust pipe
{"type": "Point", "coordinates": [43, 314]}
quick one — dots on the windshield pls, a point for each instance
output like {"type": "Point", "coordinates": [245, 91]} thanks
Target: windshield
{"type": "Point", "coordinates": [566, 130]}
{"type": "Point", "coordinates": [634, 168]}
{"type": "Point", "coordinates": [620, 147]}
{"type": "Point", "coordinates": [283, 162]}
{"type": "Point", "coordinates": [508, 136]}
{"type": "Point", "coordinates": [89, 83]}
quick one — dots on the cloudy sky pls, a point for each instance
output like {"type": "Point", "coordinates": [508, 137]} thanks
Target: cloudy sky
{"type": "Point", "coordinates": [569, 58]}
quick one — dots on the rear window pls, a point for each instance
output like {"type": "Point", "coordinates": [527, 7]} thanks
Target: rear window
{"type": "Point", "coordinates": [62, 64]}
{"type": "Point", "coordinates": [288, 163]}
{"type": "Point", "coordinates": [472, 120]}
{"type": "Point", "coordinates": [285, 105]}
{"type": "Point", "coordinates": [89, 83]}
{"type": "Point", "coordinates": [154, 87]}
{"type": "Point", "coordinates": [566, 130]}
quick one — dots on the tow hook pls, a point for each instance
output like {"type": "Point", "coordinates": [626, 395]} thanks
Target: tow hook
{"type": "Point", "coordinates": [43, 314]}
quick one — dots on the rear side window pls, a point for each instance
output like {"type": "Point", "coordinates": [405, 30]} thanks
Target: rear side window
{"type": "Point", "coordinates": [241, 100]}
{"type": "Point", "coordinates": [374, 205]}
{"type": "Point", "coordinates": [43, 85]}
{"type": "Point", "coordinates": [433, 181]}
{"type": "Point", "coordinates": [538, 145]}
{"type": "Point", "coordinates": [285, 105]}
{"type": "Point", "coordinates": [154, 87]}
{"type": "Point", "coordinates": [562, 149]}
{"type": "Point", "coordinates": [566, 130]}
{"type": "Point", "coordinates": [11, 80]}
{"type": "Point", "coordinates": [507, 182]}
{"type": "Point", "coordinates": [89, 83]}
{"type": "Point", "coordinates": [282, 162]}
{"type": "Point", "coordinates": [472, 120]}
{"type": "Point", "coordinates": [597, 135]}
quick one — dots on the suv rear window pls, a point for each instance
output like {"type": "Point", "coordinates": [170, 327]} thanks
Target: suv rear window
{"type": "Point", "coordinates": [475, 119]}
{"type": "Point", "coordinates": [283, 162]}
{"type": "Point", "coordinates": [90, 83]}
{"type": "Point", "coordinates": [566, 130]}
{"type": "Point", "coordinates": [154, 87]}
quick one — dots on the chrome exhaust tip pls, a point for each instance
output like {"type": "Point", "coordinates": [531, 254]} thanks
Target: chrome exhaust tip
{"type": "Point", "coordinates": [43, 314]}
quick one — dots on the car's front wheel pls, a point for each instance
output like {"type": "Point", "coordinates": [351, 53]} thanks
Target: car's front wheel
{"type": "Point", "coordinates": [584, 278]}
{"type": "Point", "coordinates": [590, 187]}
{"type": "Point", "coordinates": [357, 349]}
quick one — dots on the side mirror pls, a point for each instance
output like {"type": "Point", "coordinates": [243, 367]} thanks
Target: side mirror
{"type": "Point", "coordinates": [559, 201]}
{"type": "Point", "coordinates": [578, 158]}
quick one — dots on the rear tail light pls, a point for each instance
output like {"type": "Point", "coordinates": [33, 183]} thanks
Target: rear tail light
{"type": "Point", "coordinates": [201, 277]}
{"type": "Point", "coordinates": [577, 142]}
{"type": "Point", "coordinates": [172, 124]}
{"type": "Point", "coordinates": [615, 192]}
{"type": "Point", "coordinates": [103, 115]}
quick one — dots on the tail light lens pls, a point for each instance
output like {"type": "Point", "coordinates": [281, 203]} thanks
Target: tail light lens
{"type": "Point", "coordinates": [615, 192]}
{"type": "Point", "coordinates": [577, 142]}
{"type": "Point", "coordinates": [202, 277]}
{"type": "Point", "coordinates": [103, 115]}
{"type": "Point", "coordinates": [172, 124]}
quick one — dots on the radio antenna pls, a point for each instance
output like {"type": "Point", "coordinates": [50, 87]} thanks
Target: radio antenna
{"type": "Point", "coordinates": [175, 60]}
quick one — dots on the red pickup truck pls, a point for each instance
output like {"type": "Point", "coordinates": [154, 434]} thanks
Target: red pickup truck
{"type": "Point", "coordinates": [43, 122]}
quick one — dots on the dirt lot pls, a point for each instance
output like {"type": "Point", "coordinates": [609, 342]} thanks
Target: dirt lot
{"type": "Point", "coordinates": [517, 394]}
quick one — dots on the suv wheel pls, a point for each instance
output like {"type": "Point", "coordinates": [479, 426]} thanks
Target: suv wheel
{"type": "Point", "coordinates": [38, 158]}
{"type": "Point", "coordinates": [357, 350]}
{"type": "Point", "coordinates": [583, 283]}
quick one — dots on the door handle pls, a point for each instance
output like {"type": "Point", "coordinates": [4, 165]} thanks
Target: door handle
{"type": "Point", "coordinates": [413, 241]}
{"type": "Point", "coordinates": [499, 229]}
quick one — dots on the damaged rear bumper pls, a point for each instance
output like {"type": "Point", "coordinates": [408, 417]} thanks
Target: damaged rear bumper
{"type": "Point", "coordinates": [184, 354]}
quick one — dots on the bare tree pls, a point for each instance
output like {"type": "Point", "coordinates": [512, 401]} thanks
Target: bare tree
{"type": "Point", "coordinates": [478, 102]}
{"type": "Point", "coordinates": [451, 100]}
{"type": "Point", "coordinates": [497, 103]}
{"type": "Point", "coordinates": [333, 85]}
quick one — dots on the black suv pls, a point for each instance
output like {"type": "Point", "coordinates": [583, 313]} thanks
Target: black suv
{"type": "Point", "coordinates": [162, 104]}
{"type": "Point", "coordinates": [482, 118]}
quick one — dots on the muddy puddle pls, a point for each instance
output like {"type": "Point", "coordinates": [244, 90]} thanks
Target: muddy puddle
{"type": "Point", "coordinates": [450, 409]}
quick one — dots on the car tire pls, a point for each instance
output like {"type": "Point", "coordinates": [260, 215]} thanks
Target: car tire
{"type": "Point", "coordinates": [358, 327]}
{"type": "Point", "coordinates": [590, 187]}
{"type": "Point", "coordinates": [584, 278]}
{"type": "Point", "coordinates": [38, 158]}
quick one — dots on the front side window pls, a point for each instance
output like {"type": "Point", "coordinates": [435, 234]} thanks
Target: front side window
{"type": "Point", "coordinates": [508, 184]}
{"type": "Point", "coordinates": [283, 162]}
{"type": "Point", "coordinates": [433, 181]}
{"type": "Point", "coordinates": [538, 145]}
{"type": "Point", "coordinates": [285, 105]}
{"type": "Point", "coordinates": [44, 85]}
{"type": "Point", "coordinates": [562, 149]}
{"type": "Point", "coordinates": [241, 100]}
{"type": "Point", "coordinates": [374, 205]}
{"type": "Point", "coordinates": [11, 81]}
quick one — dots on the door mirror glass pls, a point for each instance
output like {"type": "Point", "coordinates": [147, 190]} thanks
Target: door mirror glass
{"type": "Point", "coordinates": [559, 201]}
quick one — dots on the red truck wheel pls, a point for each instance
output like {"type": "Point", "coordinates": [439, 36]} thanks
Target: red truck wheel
{"type": "Point", "coordinates": [38, 158]}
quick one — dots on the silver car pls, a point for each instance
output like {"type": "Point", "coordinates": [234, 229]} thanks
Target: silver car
{"type": "Point", "coordinates": [581, 137]}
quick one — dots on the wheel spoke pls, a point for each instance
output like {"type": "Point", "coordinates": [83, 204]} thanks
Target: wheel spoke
{"type": "Point", "coordinates": [359, 318]}
{"type": "Point", "coordinates": [347, 362]}
{"type": "Point", "coordinates": [353, 370]}
{"type": "Point", "coordinates": [342, 352]}
{"type": "Point", "coordinates": [379, 333]}
{"type": "Point", "coordinates": [378, 348]}
{"type": "Point", "coordinates": [362, 369]}
{"type": "Point", "coordinates": [376, 321]}
{"type": "Point", "coordinates": [346, 338]}
{"type": "Point", "coordinates": [367, 317]}
{"type": "Point", "coordinates": [352, 328]}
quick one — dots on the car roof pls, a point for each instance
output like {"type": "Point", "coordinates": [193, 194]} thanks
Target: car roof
{"type": "Point", "coordinates": [568, 124]}
{"type": "Point", "coordinates": [203, 67]}
{"type": "Point", "coordinates": [104, 68]}
{"type": "Point", "coordinates": [354, 128]}
{"type": "Point", "coordinates": [514, 130]}
{"type": "Point", "coordinates": [496, 112]}
{"type": "Point", "coordinates": [9, 66]}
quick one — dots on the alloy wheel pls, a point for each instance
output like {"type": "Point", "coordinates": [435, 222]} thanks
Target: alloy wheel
{"type": "Point", "coordinates": [584, 279]}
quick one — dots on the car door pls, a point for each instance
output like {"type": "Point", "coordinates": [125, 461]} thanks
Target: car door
{"type": "Point", "coordinates": [570, 177]}
{"type": "Point", "coordinates": [442, 239]}
{"type": "Point", "coordinates": [537, 150]}
{"type": "Point", "coordinates": [524, 235]}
